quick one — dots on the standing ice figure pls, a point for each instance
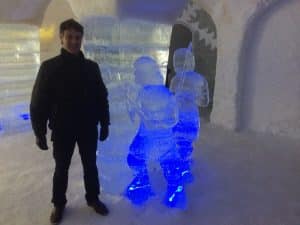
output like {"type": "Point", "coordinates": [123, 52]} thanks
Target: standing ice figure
{"type": "Point", "coordinates": [191, 91]}
{"type": "Point", "coordinates": [158, 112]}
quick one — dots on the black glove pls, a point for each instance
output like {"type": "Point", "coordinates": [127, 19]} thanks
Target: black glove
{"type": "Point", "coordinates": [103, 133]}
{"type": "Point", "coordinates": [41, 142]}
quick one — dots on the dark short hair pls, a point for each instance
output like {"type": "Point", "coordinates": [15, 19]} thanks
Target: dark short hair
{"type": "Point", "coordinates": [70, 24]}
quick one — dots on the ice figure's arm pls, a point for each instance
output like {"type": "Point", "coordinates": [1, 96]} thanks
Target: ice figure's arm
{"type": "Point", "coordinates": [131, 110]}
{"type": "Point", "coordinates": [174, 111]}
{"type": "Point", "coordinates": [203, 99]}
{"type": "Point", "coordinates": [172, 85]}
{"type": "Point", "coordinates": [177, 83]}
{"type": "Point", "coordinates": [132, 101]}
{"type": "Point", "coordinates": [40, 102]}
{"type": "Point", "coordinates": [103, 94]}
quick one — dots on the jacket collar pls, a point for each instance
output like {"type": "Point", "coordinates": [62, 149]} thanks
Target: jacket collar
{"type": "Point", "coordinates": [71, 57]}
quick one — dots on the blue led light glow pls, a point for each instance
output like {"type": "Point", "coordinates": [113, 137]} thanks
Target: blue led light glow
{"type": "Point", "coordinates": [155, 141]}
{"type": "Point", "coordinates": [25, 116]}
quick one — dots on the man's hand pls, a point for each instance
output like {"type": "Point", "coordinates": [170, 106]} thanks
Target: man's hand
{"type": "Point", "coordinates": [103, 133]}
{"type": "Point", "coordinates": [41, 142]}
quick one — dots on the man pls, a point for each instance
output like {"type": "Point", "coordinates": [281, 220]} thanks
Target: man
{"type": "Point", "coordinates": [69, 94]}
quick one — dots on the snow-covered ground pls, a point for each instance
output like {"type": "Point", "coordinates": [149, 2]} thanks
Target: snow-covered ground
{"type": "Point", "coordinates": [241, 179]}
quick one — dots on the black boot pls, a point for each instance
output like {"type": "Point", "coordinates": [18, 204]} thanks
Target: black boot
{"type": "Point", "coordinates": [57, 214]}
{"type": "Point", "coordinates": [99, 207]}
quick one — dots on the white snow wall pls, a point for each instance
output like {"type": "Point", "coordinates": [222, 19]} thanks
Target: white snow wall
{"type": "Point", "coordinates": [271, 72]}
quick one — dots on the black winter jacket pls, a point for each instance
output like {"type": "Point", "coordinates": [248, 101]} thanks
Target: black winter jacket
{"type": "Point", "coordinates": [69, 93]}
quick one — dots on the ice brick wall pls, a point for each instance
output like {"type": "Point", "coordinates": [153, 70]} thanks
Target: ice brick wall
{"type": "Point", "coordinates": [116, 44]}
{"type": "Point", "coordinates": [19, 61]}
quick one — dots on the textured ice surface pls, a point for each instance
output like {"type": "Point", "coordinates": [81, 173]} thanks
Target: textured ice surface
{"type": "Point", "coordinates": [19, 62]}
{"type": "Point", "coordinates": [115, 45]}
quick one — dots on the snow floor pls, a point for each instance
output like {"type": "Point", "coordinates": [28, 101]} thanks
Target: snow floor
{"type": "Point", "coordinates": [241, 179]}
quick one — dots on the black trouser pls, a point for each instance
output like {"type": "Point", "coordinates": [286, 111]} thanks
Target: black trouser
{"type": "Point", "coordinates": [63, 148]}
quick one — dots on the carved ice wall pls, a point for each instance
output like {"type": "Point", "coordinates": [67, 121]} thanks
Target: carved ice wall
{"type": "Point", "coordinates": [19, 61]}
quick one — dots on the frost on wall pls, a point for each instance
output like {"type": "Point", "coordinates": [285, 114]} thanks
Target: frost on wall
{"type": "Point", "coordinates": [271, 73]}
{"type": "Point", "coordinates": [19, 61]}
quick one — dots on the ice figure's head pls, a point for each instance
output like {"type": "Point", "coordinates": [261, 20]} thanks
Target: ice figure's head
{"type": "Point", "coordinates": [183, 60]}
{"type": "Point", "coordinates": [147, 72]}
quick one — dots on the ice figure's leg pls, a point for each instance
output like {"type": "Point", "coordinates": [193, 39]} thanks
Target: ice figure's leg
{"type": "Point", "coordinates": [171, 164]}
{"type": "Point", "coordinates": [185, 150]}
{"type": "Point", "coordinates": [139, 190]}
{"type": "Point", "coordinates": [185, 133]}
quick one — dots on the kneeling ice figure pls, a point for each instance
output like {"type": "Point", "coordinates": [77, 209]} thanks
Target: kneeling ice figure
{"type": "Point", "coordinates": [191, 91]}
{"type": "Point", "coordinates": [156, 106]}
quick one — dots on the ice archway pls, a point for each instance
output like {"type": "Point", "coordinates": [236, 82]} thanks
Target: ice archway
{"type": "Point", "coordinates": [269, 69]}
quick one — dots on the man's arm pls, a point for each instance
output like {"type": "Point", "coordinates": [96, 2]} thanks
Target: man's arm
{"type": "Point", "coordinates": [39, 105]}
{"type": "Point", "coordinates": [104, 110]}
{"type": "Point", "coordinates": [104, 106]}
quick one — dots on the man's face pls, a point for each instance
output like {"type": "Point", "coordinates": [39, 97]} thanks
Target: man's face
{"type": "Point", "coordinates": [71, 41]}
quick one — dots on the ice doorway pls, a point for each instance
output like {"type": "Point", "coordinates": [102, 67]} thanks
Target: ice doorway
{"type": "Point", "coordinates": [196, 25]}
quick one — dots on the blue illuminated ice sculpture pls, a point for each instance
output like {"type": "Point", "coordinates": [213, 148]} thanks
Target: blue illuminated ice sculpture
{"type": "Point", "coordinates": [191, 91]}
{"type": "Point", "coordinates": [158, 112]}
